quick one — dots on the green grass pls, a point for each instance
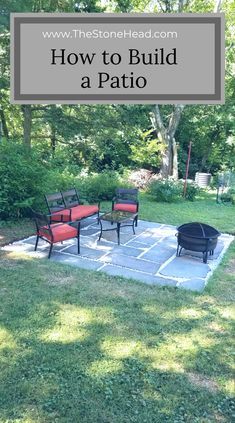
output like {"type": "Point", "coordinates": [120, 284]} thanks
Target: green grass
{"type": "Point", "coordinates": [203, 209]}
{"type": "Point", "coordinates": [79, 346]}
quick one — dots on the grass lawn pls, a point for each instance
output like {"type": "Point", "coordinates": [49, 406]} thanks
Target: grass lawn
{"type": "Point", "coordinates": [79, 346]}
{"type": "Point", "coordinates": [203, 209]}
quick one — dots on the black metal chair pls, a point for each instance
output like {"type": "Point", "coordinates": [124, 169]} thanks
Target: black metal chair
{"type": "Point", "coordinates": [57, 208]}
{"type": "Point", "coordinates": [78, 211]}
{"type": "Point", "coordinates": [126, 199]}
{"type": "Point", "coordinates": [55, 232]}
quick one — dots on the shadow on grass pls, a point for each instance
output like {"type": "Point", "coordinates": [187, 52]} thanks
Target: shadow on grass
{"type": "Point", "coordinates": [82, 346]}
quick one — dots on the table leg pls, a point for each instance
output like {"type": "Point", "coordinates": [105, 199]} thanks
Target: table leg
{"type": "Point", "coordinates": [133, 225]}
{"type": "Point", "coordinates": [118, 232]}
{"type": "Point", "coordinates": [101, 229]}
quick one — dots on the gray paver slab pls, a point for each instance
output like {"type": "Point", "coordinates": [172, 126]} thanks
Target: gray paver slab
{"type": "Point", "coordinates": [217, 252]}
{"type": "Point", "coordinates": [128, 230]}
{"type": "Point", "coordinates": [101, 245]}
{"type": "Point", "coordinates": [75, 261]}
{"type": "Point", "coordinates": [137, 244]}
{"type": "Point", "coordinates": [193, 284]}
{"type": "Point", "coordinates": [145, 224]}
{"type": "Point", "coordinates": [112, 236]}
{"type": "Point", "coordinates": [142, 277]}
{"type": "Point", "coordinates": [156, 243]}
{"type": "Point", "coordinates": [170, 241]}
{"type": "Point", "coordinates": [90, 231]}
{"type": "Point", "coordinates": [148, 239]}
{"type": "Point", "coordinates": [185, 267]}
{"type": "Point", "coordinates": [159, 253]}
{"type": "Point", "coordinates": [126, 250]}
{"type": "Point", "coordinates": [89, 221]}
{"type": "Point", "coordinates": [85, 252]}
{"type": "Point", "coordinates": [131, 263]}
{"type": "Point", "coordinates": [31, 240]}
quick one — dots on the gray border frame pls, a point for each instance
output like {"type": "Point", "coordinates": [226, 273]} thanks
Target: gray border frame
{"type": "Point", "coordinates": [17, 19]}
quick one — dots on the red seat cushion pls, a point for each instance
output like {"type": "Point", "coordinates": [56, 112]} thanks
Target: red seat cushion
{"type": "Point", "coordinates": [60, 231]}
{"type": "Point", "coordinates": [132, 208]}
{"type": "Point", "coordinates": [57, 215]}
{"type": "Point", "coordinates": [81, 211]}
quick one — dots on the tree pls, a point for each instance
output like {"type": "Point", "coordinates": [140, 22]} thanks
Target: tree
{"type": "Point", "coordinates": [35, 6]}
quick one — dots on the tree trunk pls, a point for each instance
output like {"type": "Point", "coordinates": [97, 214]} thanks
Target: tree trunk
{"type": "Point", "coordinates": [175, 173]}
{"type": "Point", "coordinates": [53, 141]}
{"type": "Point", "coordinates": [4, 124]}
{"type": "Point", "coordinates": [27, 124]}
{"type": "Point", "coordinates": [169, 165]}
{"type": "Point", "coordinates": [166, 161]}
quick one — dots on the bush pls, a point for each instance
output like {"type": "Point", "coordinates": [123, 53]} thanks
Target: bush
{"type": "Point", "coordinates": [165, 190]}
{"type": "Point", "coordinates": [191, 191]}
{"type": "Point", "coordinates": [229, 196]}
{"type": "Point", "coordinates": [22, 177]}
{"type": "Point", "coordinates": [169, 191]}
{"type": "Point", "coordinates": [100, 186]}
{"type": "Point", "coordinates": [25, 179]}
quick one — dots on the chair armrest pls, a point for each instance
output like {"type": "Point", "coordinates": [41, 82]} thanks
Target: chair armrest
{"type": "Point", "coordinates": [50, 216]}
{"type": "Point", "coordinates": [61, 216]}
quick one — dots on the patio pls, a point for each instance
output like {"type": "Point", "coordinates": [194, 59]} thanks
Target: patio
{"type": "Point", "coordinates": [149, 256]}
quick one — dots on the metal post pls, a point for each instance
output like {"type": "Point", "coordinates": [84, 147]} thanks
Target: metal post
{"type": "Point", "coordinates": [187, 167]}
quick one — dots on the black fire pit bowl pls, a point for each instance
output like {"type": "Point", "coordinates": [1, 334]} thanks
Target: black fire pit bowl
{"type": "Point", "coordinates": [197, 236]}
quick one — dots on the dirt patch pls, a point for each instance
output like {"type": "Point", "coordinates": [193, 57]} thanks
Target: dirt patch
{"type": "Point", "coordinates": [15, 231]}
{"type": "Point", "coordinates": [203, 382]}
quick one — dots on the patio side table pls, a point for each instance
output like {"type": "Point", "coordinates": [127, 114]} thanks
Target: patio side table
{"type": "Point", "coordinates": [120, 218]}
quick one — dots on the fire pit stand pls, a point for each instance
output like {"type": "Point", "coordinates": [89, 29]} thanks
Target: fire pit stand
{"type": "Point", "coordinates": [198, 237]}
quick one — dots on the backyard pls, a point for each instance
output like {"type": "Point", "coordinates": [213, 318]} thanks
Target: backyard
{"type": "Point", "coordinates": [148, 338]}
{"type": "Point", "coordinates": [84, 346]}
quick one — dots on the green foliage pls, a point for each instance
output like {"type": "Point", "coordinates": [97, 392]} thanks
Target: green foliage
{"type": "Point", "coordinates": [191, 191]}
{"type": "Point", "coordinates": [100, 186]}
{"type": "Point", "coordinates": [25, 179]}
{"type": "Point", "coordinates": [165, 190]}
{"type": "Point", "coordinates": [146, 152]}
{"type": "Point", "coordinates": [228, 196]}
{"type": "Point", "coordinates": [22, 180]}
{"type": "Point", "coordinates": [169, 191]}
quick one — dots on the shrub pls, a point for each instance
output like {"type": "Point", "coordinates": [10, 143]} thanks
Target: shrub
{"type": "Point", "coordinates": [191, 191]}
{"type": "Point", "coordinates": [165, 190]}
{"type": "Point", "coordinates": [100, 186]}
{"type": "Point", "coordinates": [25, 179]}
{"type": "Point", "coordinates": [22, 178]}
{"type": "Point", "coordinates": [229, 196]}
{"type": "Point", "coordinates": [169, 191]}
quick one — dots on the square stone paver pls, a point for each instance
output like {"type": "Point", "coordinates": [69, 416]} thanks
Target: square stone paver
{"type": "Point", "coordinates": [159, 253]}
{"type": "Point", "coordinates": [148, 256]}
{"type": "Point", "coordinates": [185, 267]}
{"type": "Point", "coordinates": [139, 276]}
{"type": "Point", "coordinates": [131, 262]}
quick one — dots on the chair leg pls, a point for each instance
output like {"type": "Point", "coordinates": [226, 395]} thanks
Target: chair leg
{"type": "Point", "coordinates": [78, 238]}
{"type": "Point", "coordinates": [36, 244]}
{"type": "Point", "coordinates": [49, 254]}
{"type": "Point", "coordinates": [136, 221]}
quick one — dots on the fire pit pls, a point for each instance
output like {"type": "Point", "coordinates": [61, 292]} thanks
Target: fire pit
{"type": "Point", "coordinates": [197, 236]}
